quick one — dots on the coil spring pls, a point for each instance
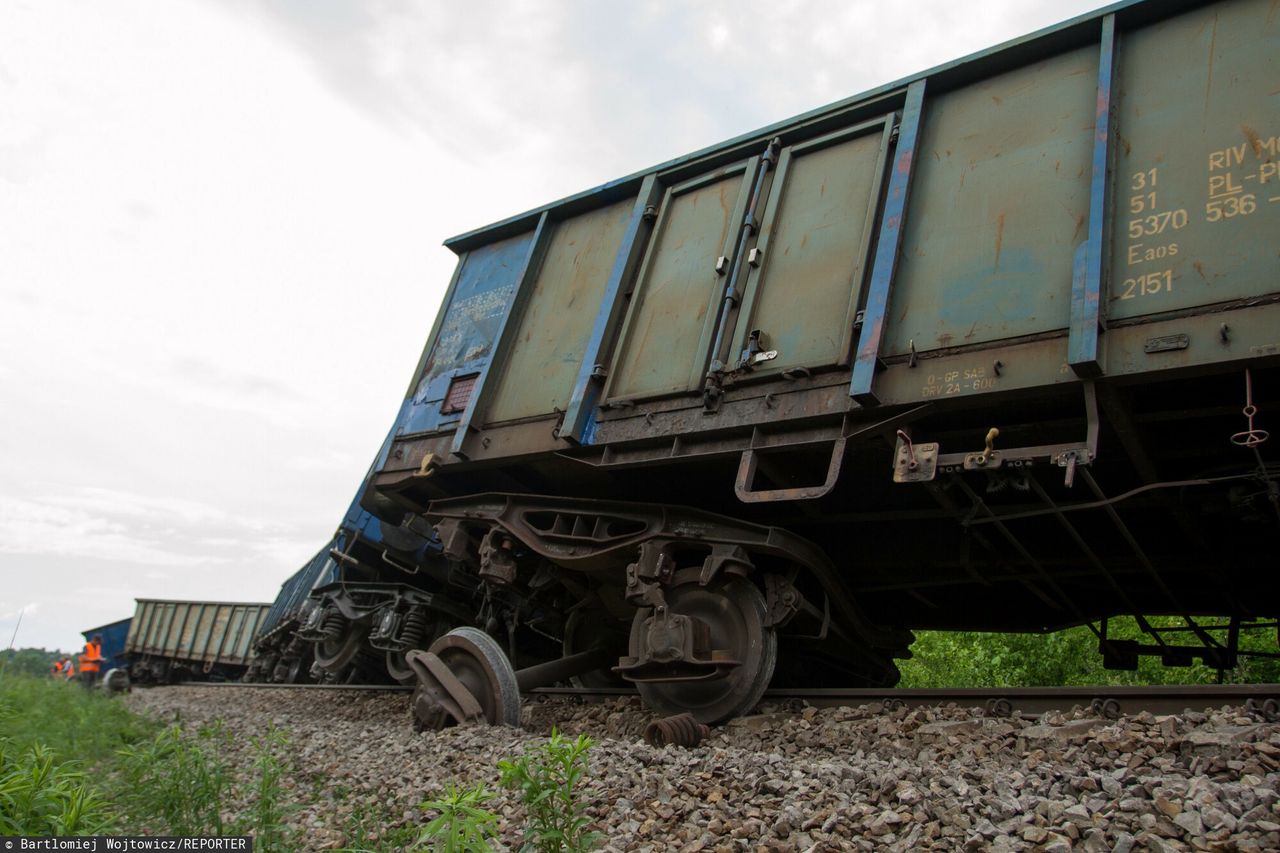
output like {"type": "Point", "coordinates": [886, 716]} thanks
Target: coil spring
{"type": "Point", "coordinates": [415, 627]}
{"type": "Point", "coordinates": [680, 730]}
{"type": "Point", "coordinates": [333, 625]}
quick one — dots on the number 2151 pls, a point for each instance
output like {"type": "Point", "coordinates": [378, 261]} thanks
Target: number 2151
{"type": "Point", "coordinates": [1146, 285]}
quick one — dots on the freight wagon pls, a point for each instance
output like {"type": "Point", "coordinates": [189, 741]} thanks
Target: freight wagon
{"type": "Point", "coordinates": [994, 347]}
{"type": "Point", "coordinates": [191, 640]}
{"type": "Point", "coordinates": [374, 593]}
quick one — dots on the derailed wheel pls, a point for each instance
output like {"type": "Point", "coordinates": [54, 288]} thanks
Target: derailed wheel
{"type": "Point", "coordinates": [478, 664]}
{"type": "Point", "coordinates": [734, 611]}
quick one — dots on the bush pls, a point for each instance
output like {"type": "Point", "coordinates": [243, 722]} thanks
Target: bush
{"type": "Point", "coordinates": [1066, 658]}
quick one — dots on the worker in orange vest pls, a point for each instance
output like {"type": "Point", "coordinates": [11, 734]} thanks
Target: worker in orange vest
{"type": "Point", "coordinates": [68, 668]}
{"type": "Point", "coordinates": [90, 661]}
{"type": "Point", "coordinates": [57, 668]}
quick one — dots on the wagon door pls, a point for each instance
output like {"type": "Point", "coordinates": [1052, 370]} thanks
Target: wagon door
{"type": "Point", "coordinates": [805, 271]}
{"type": "Point", "coordinates": [666, 339]}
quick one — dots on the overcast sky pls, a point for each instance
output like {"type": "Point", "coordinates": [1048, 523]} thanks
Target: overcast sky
{"type": "Point", "coordinates": [220, 229]}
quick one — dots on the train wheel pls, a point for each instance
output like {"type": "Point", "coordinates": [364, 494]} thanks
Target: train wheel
{"type": "Point", "coordinates": [337, 650]}
{"type": "Point", "coordinates": [589, 627]}
{"type": "Point", "coordinates": [477, 661]}
{"type": "Point", "coordinates": [734, 610]}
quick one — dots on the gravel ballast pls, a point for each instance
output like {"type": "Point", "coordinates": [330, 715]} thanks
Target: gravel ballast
{"type": "Point", "coordinates": [941, 778]}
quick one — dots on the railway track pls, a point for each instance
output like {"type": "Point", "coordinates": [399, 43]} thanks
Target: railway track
{"type": "Point", "coordinates": [1109, 701]}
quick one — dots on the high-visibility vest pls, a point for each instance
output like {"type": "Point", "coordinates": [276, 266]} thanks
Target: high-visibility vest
{"type": "Point", "coordinates": [68, 669]}
{"type": "Point", "coordinates": [57, 668]}
{"type": "Point", "coordinates": [91, 658]}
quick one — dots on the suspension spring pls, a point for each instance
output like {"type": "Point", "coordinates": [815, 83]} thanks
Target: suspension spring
{"type": "Point", "coordinates": [333, 625]}
{"type": "Point", "coordinates": [414, 629]}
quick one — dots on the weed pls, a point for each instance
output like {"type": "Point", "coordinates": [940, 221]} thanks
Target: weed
{"type": "Point", "coordinates": [463, 825]}
{"type": "Point", "coordinates": [547, 780]}
{"type": "Point", "coordinates": [40, 797]}
{"type": "Point", "coordinates": [266, 818]}
{"type": "Point", "coordinates": [174, 783]}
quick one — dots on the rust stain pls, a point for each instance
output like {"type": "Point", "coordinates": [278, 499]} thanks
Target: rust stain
{"type": "Point", "coordinates": [1254, 140]}
{"type": "Point", "coordinates": [1079, 226]}
{"type": "Point", "coordinates": [999, 239]}
{"type": "Point", "coordinates": [1208, 83]}
{"type": "Point", "coordinates": [1199, 268]}
{"type": "Point", "coordinates": [997, 99]}
{"type": "Point", "coordinates": [1272, 10]}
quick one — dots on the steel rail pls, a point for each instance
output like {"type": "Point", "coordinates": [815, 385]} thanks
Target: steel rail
{"type": "Point", "coordinates": [258, 685]}
{"type": "Point", "coordinates": [1031, 700]}
{"type": "Point", "coordinates": [1171, 699]}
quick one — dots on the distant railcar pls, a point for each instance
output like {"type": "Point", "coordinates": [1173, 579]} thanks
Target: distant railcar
{"type": "Point", "coordinates": [995, 347]}
{"type": "Point", "coordinates": [191, 640]}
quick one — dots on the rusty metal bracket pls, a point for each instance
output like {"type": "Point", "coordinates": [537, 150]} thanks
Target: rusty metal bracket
{"type": "Point", "coordinates": [497, 560]}
{"type": "Point", "coordinates": [733, 559]}
{"type": "Point", "coordinates": [652, 570]}
{"type": "Point", "coordinates": [988, 457]}
{"type": "Point", "coordinates": [914, 463]}
{"type": "Point", "coordinates": [675, 647]}
{"type": "Point", "coordinates": [747, 475]}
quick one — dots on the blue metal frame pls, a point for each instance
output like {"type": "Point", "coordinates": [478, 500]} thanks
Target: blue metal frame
{"type": "Point", "coordinates": [537, 246]}
{"type": "Point", "coordinates": [1086, 279]}
{"type": "Point", "coordinates": [588, 386]}
{"type": "Point", "coordinates": [867, 359]}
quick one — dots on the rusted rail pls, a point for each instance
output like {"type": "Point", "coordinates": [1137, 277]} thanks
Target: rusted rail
{"type": "Point", "coordinates": [371, 688]}
{"type": "Point", "coordinates": [1029, 700]}
{"type": "Point", "coordinates": [996, 700]}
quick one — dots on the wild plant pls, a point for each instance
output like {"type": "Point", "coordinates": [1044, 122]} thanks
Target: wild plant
{"type": "Point", "coordinates": [463, 824]}
{"type": "Point", "coordinates": [548, 779]}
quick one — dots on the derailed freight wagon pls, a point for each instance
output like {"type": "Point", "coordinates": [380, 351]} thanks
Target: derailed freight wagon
{"type": "Point", "coordinates": [280, 655]}
{"type": "Point", "coordinates": [994, 347]}
{"type": "Point", "coordinates": [191, 640]}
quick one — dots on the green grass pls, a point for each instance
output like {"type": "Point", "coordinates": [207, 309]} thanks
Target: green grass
{"type": "Point", "coordinates": [74, 723]}
{"type": "Point", "coordinates": [77, 762]}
